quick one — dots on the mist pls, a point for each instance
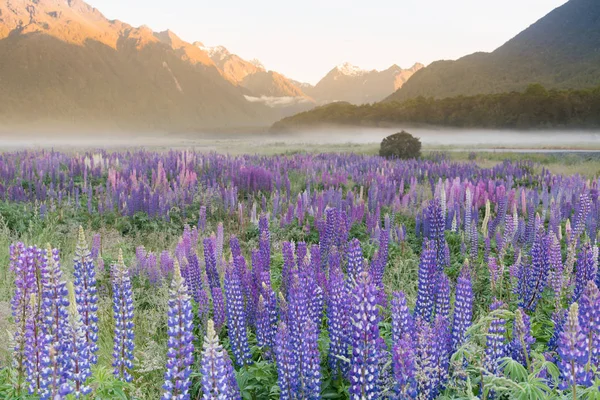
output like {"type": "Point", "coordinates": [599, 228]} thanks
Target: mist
{"type": "Point", "coordinates": [432, 138]}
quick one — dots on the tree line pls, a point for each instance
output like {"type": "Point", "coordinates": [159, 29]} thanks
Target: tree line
{"type": "Point", "coordinates": [534, 108]}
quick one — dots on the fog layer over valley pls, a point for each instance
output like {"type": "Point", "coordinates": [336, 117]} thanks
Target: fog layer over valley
{"type": "Point", "coordinates": [253, 141]}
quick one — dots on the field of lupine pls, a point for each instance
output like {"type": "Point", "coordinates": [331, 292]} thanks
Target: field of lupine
{"type": "Point", "coordinates": [181, 275]}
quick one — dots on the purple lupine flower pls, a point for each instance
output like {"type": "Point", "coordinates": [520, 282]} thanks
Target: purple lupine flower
{"type": "Point", "coordinates": [217, 382]}
{"type": "Point", "coordinates": [573, 350]}
{"type": "Point", "coordinates": [355, 260]}
{"type": "Point", "coordinates": [287, 249]}
{"type": "Point", "coordinates": [86, 294]}
{"type": "Point", "coordinates": [80, 367]}
{"type": "Point", "coordinates": [442, 297]}
{"type": "Point", "coordinates": [96, 246]}
{"type": "Point", "coordinates": [437, 227]}
{"type": "Point", "coordinates": [559, 317]}
{"type": "Point", "coordinates": [583, 209]}
{"type": "Point", "coordinates": [23, 263]}
{"type": "Point", "coordinates": [236, 317]}
{"type": "Point", "coordinates": [537, 276]}
{"type": "Point", "coordinates": [379, 262]}
{"type": "Point", "coordinates": [123, 315]}
{"type": "Point", "coordinates": [338, 317]}
{"type": "Point", "coordinates": [463, 308]}
{"type": "Point", "coordinates": [402, 320]}
{"type": "Point", "coordinates": [218, 307]}
{"type": "Point", "coordinates": [37, 348]}
{"type": "Point", "coordinates": [264, 250]}
{"type": "Point", "coordinates": [589, 320]}
{"type": "Point", "coordinates": [427, 368]}
{"type": "Point", "coordinates": [557, 280]}
{"type": "Point", "coordinates": [441, 332]}
{"type": "Point", "coordinates": [427, 282]}
{"type": "Point", "coordinates": [266, 326]}
{"type": "Point", "coordinates": [404, 363]}
{"type": "Point", "coordinates": [286, 363]}
{"type": "Point", "coordinates": [520, 346]}
{"type": "Point", "coordinates": [55, 305]}
{"type": "Point", "coordinates": [210, 260]}
{"type": "Point", "coordinates": [364, 371]}
{"type": "Point", "coordinates": [304, 336]}
{"type": "Point", "coordinates": [496, 347]}
{"type": "Point", "coordinates": [193, 279]}
{"type": "Point", "coordinates": [180, 354]}
{"type": "Point", "coordinates": [586, 268]}
{"type": "Point", "coordinates": [314, 294]}
{"type": "Point", "coordinates": [310, 363]}
{"type": "Point", "coordinates": [166, 264]}
{"type": "Point", "coordinates": [327, 238]}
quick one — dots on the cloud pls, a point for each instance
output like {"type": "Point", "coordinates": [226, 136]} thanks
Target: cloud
{"type": "Point", "coordinates": [278, 102]}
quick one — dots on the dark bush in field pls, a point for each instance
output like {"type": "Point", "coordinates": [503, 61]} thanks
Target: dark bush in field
{"type": "Point", "coordinates": [400, 145]}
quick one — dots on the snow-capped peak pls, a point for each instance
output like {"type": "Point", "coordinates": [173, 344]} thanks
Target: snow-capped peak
{"type": "Point", "coordinates": [215, 51]}
{"type": "Point", "coordinates": [350, 70]}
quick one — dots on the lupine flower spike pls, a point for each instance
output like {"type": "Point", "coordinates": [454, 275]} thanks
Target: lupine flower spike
{"type": "Point", "coordinates": [180, 354]}
{"type": "Point", "coordinates": [218, 378]}
{"type": "Point", "coordinates": [123, 315]}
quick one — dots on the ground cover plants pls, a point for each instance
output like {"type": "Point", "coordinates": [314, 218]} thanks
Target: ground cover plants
{"type": "Point", "coordinates": [175, 275]}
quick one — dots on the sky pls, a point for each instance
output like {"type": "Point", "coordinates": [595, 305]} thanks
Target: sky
{"type": "Point", "coordinates": [306, 39]}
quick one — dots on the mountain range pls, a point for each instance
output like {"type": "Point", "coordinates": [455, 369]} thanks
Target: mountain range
{"type": "Point", "coordinates": [349, 83]}
{"type": "Point", "coordinates": [560, 51]}
{"type": "Point", "coordinates": [63, 64]}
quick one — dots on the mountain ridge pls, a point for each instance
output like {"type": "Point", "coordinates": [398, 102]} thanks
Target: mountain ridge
{"type": "Point", "coordinates": [560, 51]}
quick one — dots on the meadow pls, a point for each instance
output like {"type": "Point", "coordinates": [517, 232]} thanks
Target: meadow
{"type": "Point", "coordinates": [299, 273]}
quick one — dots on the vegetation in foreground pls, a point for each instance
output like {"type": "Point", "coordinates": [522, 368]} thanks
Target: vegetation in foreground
{"type": "Point", "coordinates": [327, 276]}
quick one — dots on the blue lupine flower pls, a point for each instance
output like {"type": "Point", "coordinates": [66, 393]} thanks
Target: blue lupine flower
{"type": "Point", "coordinates": [496, 347]}
{"type": "Point", "coordinates": [80, 367]}
{"type": "Point", "coordinates": [236, 317]}
{"type": "Point", "coordinates": [355, 260]}
{"type": "Point", "coordinates": [86, 294]}
{"type": "Point", "coordinates": [364, 371]}
{"type": "Point", "coordinates": [404, 363]}
{"type": "Point", "coordinates": [287, 363]}
{"type": "Point", "coordinates": [55, 305]}
{"type": "Point", "coordinates": [217, 382]}
{"type": "Point", "coordinates": [338, 317]}
{"type": "Point", "coordinates": [589, 320]}
{"type": "Point", "coordinates": [463, 308]}
{"type": "Point", "coordinates": [123, 315]}
{"type": "Point", "coordinates": [180, 353]}
{"type": "Point", "coordinates": [427, 282]}
{"type": "Point", "coordinates": [402, 320]}
{"type": "Point", "coordinates": [573, 349]}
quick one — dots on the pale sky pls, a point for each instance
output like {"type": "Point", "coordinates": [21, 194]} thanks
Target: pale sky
{"type": "Point", "coordinates": [305, 39]}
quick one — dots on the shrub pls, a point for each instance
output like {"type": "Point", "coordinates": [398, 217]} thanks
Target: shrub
{"type": "Point", "coordinates": [400, 145]}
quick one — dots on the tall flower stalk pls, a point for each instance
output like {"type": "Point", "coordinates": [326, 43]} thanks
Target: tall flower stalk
{"type": "Point", "coordinates": [180, 353]}
{"type": "Point", "coordinates": [364, 371]}
{"type": "Point", "coordinates": [86, 294]}
{"type": "Point", "coordinates": [80, 368]}
{"type": "Point", "coordinates": [123, 316]}
{"type": "Point", "coordinates": [55, 305]}
{"type": "Point", "coordinates": [218, 378]}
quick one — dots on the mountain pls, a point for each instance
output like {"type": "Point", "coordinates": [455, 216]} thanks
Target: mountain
{"type": "Point", "coordinates": [253, 76]}
{"type": "Point", "coordinates": [561, 50]}
{"type": "Point", "coordinates": [63, 64]}
{"type": "Point", "coordinates": [349, 83]}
